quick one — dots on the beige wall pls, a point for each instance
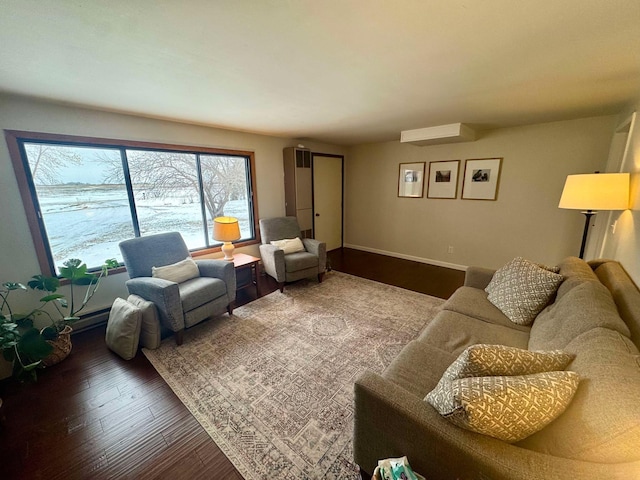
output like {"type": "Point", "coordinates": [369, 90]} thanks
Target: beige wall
{"type": "Point", "coordinates": [525, 220]}
{"type": "Point", "coordinates": [17, 255]}
{"type": "Point", "coordinates": [624, 244]}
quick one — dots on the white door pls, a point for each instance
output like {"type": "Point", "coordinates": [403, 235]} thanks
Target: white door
{"type": "Point", "coordinates": [327, 200]}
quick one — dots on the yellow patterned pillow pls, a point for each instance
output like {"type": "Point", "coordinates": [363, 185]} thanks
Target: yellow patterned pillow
{"type": "Point", "coordinates": [521, 289]}
{"type": "Point", "coordinates": [482, 360]}
{"type": "Point", "coordinates": [509, 408]}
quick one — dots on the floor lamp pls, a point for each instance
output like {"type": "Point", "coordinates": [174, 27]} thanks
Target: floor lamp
{"type": "Point", "coordinates": [593, 192]}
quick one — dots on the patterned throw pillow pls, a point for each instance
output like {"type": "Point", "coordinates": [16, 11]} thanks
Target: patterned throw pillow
{"type": "Point", "coordinates": [554, 268]}
{"type": "Point", "coordinates": [483, 360]}
{"type": "Point", "coordinates": [507, 408]}
{"type": "Point", "coordinates": [521, 289]}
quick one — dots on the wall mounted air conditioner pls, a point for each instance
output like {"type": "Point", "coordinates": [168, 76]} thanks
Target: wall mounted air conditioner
{"type": "Point", "coordinates": [452, 133]}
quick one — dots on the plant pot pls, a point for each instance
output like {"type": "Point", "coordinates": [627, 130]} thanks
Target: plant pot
{"type": "Point", "coordinates": [61, 347]}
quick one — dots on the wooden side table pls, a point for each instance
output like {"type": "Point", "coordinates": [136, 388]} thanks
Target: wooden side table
{"type": "Point", "coordinates": [246, 271]}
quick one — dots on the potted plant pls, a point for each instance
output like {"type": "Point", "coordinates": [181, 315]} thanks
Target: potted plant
{"type": "Point", "coordinates": [23, 347]}
{"type": "Point", "coordinates": [30, 347]}
{"type": "Point", "coordinates": [58, 334]}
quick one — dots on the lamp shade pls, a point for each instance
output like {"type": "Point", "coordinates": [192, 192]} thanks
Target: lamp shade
{"type": "Point", "coordinates": [596, 191]}
{"type": "Point", "coordinates": [226, 229]}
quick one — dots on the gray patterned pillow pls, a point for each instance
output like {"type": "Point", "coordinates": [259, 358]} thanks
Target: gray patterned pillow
{"type": "Point", "coordinates": [507, 408]}
{"type": "Point", "coordinates": [521, 289]}
{"type": "Point", "coordinates": [483, 360]}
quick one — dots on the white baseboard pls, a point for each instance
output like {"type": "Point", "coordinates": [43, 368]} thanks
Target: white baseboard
{"type": "Point", "coordinates": [430, 261]}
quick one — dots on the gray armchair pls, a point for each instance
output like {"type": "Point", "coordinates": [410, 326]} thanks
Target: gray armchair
{"type": "Point", "coordinates": [293, 266]}
{"type": "Point", "coordinates": [180, 305]}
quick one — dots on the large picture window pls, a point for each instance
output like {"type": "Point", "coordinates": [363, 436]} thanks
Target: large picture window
{"type": "Point", "coordinates": [83, 196]}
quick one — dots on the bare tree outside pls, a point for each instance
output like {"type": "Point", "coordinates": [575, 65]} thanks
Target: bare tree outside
{"type": "Point", "coordinates": [163, 174]}
{"type": "Point", "coordinates": [46, 161]}
{"type": "Point", "coordinates": [223, 180]}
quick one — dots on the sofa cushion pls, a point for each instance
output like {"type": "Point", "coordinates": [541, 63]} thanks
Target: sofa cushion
{"type": "Point", "coordinates": [453, 332]}
{"type": "Point", "coordinates": [587, 306]}
{"type": "Point", "coordinates": [300, 261]}
{"type": "Point", "coordinates": [509, 408]}
{"type": "Point", "coordinates": [418, 367]}
{"type": "Point", "coordinates": [602, 424]}
{"type": "Point", "coordinates": [201, 290]}
{"type": "Point", "coordinates": [486, 360]}
{"type": "Point", "coordinates": [575, 271]}
{"type": "Point", "coordinates": [625, 294]}
{"type": "Point", "coordinates": [521, 289]}
{"type": "Point", "coordinates": [473, 302]}
{"type": "Point", "coordinates": [177, 272]}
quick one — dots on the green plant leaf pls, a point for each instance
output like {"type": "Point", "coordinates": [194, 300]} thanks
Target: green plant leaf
{"type": "Point", "coordinates": [9, 354]}
{"type": "Point", "coordinates": [87, 279]}
{"type": "Point", "coordinates": [34, 346]}
{"type": "Point", "coordinates": [40, 282]}
{"type": "Point", "coordinates": [111, 263]}
{"type": "Point", "coordinates": [23, 321]}
{"type": "Point", "coordinates": [49, 333]}
{"type": "Point", "coordinates": [73, 269]}
{"type": "Point", "coordinates": [53, 296]}
{"type": "Point", "coordinates": [63, 301]}
{"type": "Point", "coordinates": [14, 286]}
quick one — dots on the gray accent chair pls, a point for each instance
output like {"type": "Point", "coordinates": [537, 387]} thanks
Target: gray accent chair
{"type": "Point", "coordinates": [294, 266]}
{"type": "Point", "coordinates": [180, 305]}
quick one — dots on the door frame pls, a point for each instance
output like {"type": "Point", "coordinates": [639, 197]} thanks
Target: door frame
{"type": "Point", "coordinates": [313, 197]}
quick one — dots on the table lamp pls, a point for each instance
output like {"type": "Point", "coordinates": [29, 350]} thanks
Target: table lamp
{"type": "Point", "coordinates": [226, 230]}
{"type": "Point", "coordinates": [593, 192]}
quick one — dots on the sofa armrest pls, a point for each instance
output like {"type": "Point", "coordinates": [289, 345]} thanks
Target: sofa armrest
{"type": "Point", "coordinates": [164, 294]}
{"type": "Point", "coordinates": [478, 277]}
{"type": "Point", "coordinates": [222, 269]}
{"type": "Point", "coordinates": [273, 262]}
{"type": "Point", "coordinates": [319, 249]}
{"type": "Point", "coordinates": [391, 422]}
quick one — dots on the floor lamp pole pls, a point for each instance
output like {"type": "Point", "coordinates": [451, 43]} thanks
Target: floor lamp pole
{"type": "Point", "coordinates": [588, 214]}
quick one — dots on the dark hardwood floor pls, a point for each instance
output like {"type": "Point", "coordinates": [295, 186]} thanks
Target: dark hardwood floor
{"type": "Point", "coordinates": [97, 416]}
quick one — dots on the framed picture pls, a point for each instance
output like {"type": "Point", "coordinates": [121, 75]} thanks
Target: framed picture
{"type": "Point", "coordinates": [443, 179]}
{"type": "Point", "coordinates": [411, 180]}
{"type": "Point", "coordinates": [481, 179]}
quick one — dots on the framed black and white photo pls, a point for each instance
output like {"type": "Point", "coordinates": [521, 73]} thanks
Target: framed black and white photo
{"type": "Point", "coordinates": [481, 179]}
{"type": "Point", "coordinates": [443, 179]}
{"type": "Point", "coordinates": [411, 180]}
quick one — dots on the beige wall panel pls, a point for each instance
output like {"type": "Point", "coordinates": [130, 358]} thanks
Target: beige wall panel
{"type": "Point", "coordinates": [525, 220]}
{"type": "Point", "coordinates": [624, 244]}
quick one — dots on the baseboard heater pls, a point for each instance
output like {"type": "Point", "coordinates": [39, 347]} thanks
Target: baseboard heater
{"type": "Point", "coordinates": [91, 320]}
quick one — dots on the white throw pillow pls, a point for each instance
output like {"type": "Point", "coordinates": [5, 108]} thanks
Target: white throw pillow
{"type": "Point", "coordinates": [289, 245]}
{"type": "Point", "coordinates": [177, 272]}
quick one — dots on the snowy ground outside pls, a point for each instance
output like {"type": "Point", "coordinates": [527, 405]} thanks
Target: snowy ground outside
{"type": "Point", "coordinates": [88, 221]}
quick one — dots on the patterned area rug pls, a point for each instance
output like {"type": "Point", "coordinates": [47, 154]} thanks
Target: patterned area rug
{"type": "Point", "coordinates": [273, 384]}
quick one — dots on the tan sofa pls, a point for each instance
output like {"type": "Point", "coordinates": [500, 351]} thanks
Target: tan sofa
{"type": "Point", "coordinates": [595, 315]}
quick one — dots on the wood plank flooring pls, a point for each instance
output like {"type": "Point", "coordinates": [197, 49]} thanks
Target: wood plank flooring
{"type": "Point", "coordinates": [98, 416]}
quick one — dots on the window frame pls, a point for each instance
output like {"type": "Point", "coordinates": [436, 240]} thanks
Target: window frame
{"type": "Point", "coordinates": [16, 138]}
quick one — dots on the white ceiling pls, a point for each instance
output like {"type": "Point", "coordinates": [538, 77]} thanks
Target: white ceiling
{"type": "Point", "coordinates": [339, 71]}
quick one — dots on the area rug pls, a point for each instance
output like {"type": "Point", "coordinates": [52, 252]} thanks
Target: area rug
{"type": "Point", "coordinates": [273, 383]}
